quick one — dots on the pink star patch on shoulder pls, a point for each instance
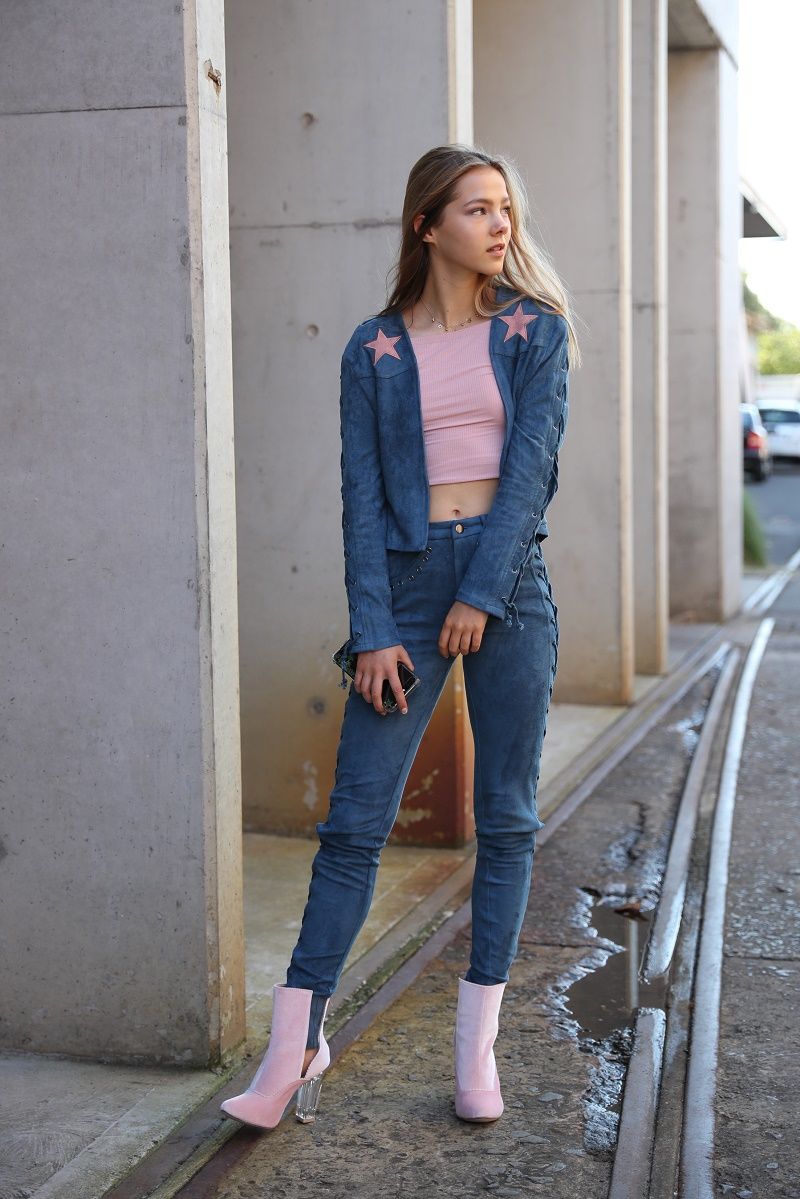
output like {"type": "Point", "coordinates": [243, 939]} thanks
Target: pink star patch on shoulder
{"type": "Point", "coordinates": [382, 345]}
{"type": "Point", "coordinates": [518, 323]}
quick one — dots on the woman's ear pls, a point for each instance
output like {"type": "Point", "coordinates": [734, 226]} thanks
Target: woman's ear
{"type": "Point", "coordinates": [428, 234]}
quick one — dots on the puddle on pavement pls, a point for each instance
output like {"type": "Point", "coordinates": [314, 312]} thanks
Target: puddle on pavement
{"type": "Point", "coordinates": [604, 1001]}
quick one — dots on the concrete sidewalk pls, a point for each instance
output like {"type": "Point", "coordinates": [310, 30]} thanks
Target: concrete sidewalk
{"type": "Point", "coordinates": [72, 1129]}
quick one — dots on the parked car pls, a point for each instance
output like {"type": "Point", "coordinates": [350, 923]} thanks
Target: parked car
{"type": "Point", "coordinates": [781, 419]}
{"type": "Point", "coordinates": [756, 449]}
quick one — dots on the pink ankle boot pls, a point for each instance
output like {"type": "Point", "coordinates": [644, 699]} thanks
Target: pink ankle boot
{"type": "Point", "coordinates": [281, 1071]}
{"type": "Point", "coordinates": [477, 1084]}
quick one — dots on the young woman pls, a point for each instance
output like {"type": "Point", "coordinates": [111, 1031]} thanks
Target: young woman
{"type": "Point", "coordinates": [454, 405]}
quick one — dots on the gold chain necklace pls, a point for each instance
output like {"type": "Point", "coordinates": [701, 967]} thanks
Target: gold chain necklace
{"type": "Point", "coordinates": [460, 325]}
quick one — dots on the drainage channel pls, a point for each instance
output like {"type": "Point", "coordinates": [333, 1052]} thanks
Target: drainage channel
{"type": "Point", "coordinates": [638, 1003]}
{"type": "Point", "coordinates": [698, 1141]}
{"type": "Point", "coordinates": [618, 1000]}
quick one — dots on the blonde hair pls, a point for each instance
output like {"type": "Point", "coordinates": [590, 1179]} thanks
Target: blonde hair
{"type": "Point", "coordinates": [527, 268]}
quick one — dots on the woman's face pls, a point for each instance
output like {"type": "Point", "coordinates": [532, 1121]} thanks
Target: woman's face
{"type": "Point", "coordinates": [475, 222]}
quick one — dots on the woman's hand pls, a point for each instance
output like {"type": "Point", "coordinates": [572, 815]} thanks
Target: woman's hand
{"type": "Point", "coordinates": [462, 631]}
{"type": "Point", "coordinates": [376, 665]}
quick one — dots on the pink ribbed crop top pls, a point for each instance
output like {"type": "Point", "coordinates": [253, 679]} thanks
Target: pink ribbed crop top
{"type": "Point", "coordinates": [463, 418]}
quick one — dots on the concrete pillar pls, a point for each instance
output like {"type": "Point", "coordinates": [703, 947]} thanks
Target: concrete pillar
{"type": "Point", "coordinates": [563, 112]}
{"type": "Point", "coordinates": [331, 105]}
{"type": "Point", "coordinates": [121, 815]}
{"type": "Point", "coordinates": [650, 334]}
{"type": "Point", "coordinates": [705, 471]}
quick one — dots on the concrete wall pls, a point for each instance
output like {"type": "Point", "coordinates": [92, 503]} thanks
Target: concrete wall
{"type": "Point", "coordinates": [330, 107]}
{"type": "Point", "coordinates": [563, 112]}
{"type": "Point", "coordinates": [120, 878]}
{"type": "Point", "coordinates": [650, 333]}
{"type": "Point", "coordinates": [705, 515]}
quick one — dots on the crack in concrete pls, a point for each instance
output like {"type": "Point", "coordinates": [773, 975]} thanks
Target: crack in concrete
{"type": "Point", "coordinates": [626, 851]}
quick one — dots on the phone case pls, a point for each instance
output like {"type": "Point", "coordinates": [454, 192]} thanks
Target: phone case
{"type": "Point", "coordinates": [348, 662]}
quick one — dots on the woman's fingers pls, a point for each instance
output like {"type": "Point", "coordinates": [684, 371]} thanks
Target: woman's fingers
{"type": "Point", "coordinates": [377, 667]}
{"type": "Point", "coordinates": [462, 631]}
{"type": "Point", "coordinates": [376, 694]}
{"type": "Point", "coordinates": [399, 694]}
{"type": "Point", "coordinates": [454, 639]}
{"type": "Point", "coordinates": [403, 656]}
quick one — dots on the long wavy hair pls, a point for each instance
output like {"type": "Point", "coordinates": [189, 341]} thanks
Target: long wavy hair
{"type": "Point", "coordinates": [527, 267]}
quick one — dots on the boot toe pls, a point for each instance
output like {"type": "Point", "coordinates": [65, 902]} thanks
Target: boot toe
{"type": "Point", "coordinates": [254, 1109]}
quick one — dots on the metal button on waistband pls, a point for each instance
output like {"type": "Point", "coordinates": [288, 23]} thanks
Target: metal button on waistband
{"type": "Point", "coordinates": [459, 528]}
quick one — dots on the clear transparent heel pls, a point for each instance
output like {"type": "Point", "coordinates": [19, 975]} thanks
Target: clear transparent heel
{"type": "Point", "coordinates": [308, 1099]}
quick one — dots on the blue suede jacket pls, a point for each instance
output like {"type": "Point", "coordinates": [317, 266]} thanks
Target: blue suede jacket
{"type": "Point", "coordinates": [385, 491]}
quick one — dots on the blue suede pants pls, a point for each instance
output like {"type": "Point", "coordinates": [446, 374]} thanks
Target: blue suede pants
{"type": "Point", "coordinates": [509, 683]}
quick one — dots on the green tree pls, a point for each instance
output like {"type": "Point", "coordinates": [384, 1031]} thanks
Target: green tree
{"type": "Point", "coordinates": [779, 351]}
{"type": "Point", "coordinates": [777, 340]}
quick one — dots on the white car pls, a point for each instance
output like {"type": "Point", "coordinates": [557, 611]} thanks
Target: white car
{"type": "Point", "coordinates": [781, 419]}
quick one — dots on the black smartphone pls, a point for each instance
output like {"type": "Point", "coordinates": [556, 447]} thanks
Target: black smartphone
{"type": "Point", "coordinates": [408, 680]}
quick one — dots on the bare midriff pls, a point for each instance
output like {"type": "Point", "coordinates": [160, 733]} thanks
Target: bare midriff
{"type": "Point", "coordinates": [449, 501]}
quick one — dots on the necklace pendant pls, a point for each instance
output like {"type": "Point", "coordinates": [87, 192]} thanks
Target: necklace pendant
{"type": "Point", "coordinates": [443, 327]}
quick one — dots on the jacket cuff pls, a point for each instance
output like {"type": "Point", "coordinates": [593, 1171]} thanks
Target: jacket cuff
{"type": "Point", "coordinates": [362, 643]}
{"type": "Point", "coordinates": [483, 602]}
{"type": "Point", "coordinates": [372, 625]}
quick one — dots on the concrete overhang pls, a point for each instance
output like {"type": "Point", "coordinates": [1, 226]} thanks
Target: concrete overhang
{"type": "Point", "coordinates": [758, 220]}
{"type": "Point", "coordinates": [703, 25]}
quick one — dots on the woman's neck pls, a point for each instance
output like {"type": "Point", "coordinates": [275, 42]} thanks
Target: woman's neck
{"type": "Point", "coordinates": [450, 292]}
{"type": "Point", "coordinates": [459, 304]}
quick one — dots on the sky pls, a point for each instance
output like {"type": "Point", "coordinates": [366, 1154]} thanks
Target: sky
{"type": "Point", "coordinates": [769, 142]}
